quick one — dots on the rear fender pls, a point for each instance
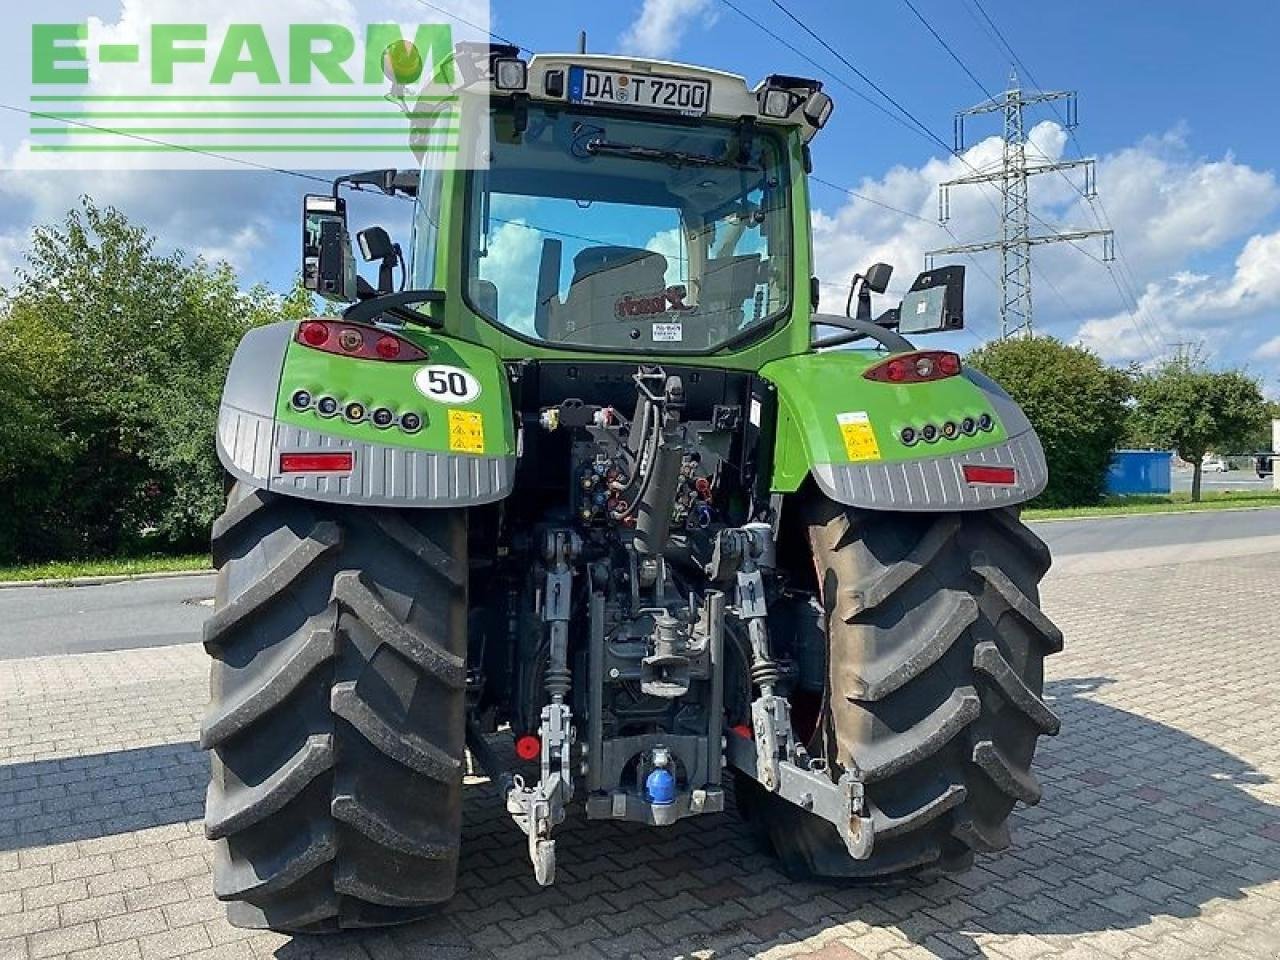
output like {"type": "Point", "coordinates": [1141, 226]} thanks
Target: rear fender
{"type": "Point", "coordinates": [846, 432]}
{"type": "Point", "coordinates": [463, 455]}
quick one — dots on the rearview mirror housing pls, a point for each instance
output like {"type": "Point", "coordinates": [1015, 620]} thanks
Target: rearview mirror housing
{"type": "Point", "coordinates": [935, 302]}
{"type": "Point", "coordinates": [877, 277]}
{"type": "Point", "coordinates": [328, 266]}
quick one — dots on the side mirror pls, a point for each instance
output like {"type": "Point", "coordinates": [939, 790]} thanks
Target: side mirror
{"type": "Point", "coordinates": [935, 302]}
{"type": "Point", "coordinates": [877, 277]}
{"type": "Point", "coordinates": [376, 246]}
{"type": "Point", "coordinates": [328, 268]}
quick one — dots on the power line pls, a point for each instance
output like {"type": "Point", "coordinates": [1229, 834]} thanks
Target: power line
{"type": "Point", "coordinates": [1015, 242]}
{"type": "Point", "coordinates": [1126, 286]}
{"type": "Point", "coordinates": [919, 126]}
{"type": "Point", "coordinates": [266, 168]}
{"type": "Point", "coordinates": [947, 47]}
{"type": "Point", "coordinates": [862, 76]}
{"type": "Point", "coordinates": [473, 25]}
{"type": "Point", "coordinates": [824, 70]}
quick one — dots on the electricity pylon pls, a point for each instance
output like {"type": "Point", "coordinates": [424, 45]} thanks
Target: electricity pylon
{"type": "Point", "coordinates": [1016, 239]}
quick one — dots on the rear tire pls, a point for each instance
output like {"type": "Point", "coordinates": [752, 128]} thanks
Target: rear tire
{"type": "Point", "coordinates": [934, 688]}
{"type": "Point", "coordinates": [338, 711]}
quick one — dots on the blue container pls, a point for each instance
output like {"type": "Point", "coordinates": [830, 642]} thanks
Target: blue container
{"type": "Point", "coordinates": [1140, 471]}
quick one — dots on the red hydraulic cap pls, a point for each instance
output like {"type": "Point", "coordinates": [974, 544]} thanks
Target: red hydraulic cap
{"type": "Point", "coordinates": [743, 731]}
{"type": "Point", "coordinates": [528, 747]}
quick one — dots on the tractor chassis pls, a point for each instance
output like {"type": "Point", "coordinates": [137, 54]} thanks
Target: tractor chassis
{"type": "Point", "coordinates": [768, 752]}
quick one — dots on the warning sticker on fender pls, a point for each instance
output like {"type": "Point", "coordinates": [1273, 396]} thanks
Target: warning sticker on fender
{"type": "Point", "coordinates": [859, 438]}
{"type": "Point", "coordinates": [466, 431]}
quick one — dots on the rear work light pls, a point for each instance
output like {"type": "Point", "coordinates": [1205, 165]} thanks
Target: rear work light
{"type": "Point", "coordinates": [923, 366]}
{"type": "Point", "coordinates": [336, 462]}
{"type": "Point", "coordinates": [357, 341]}
{"type": "Point", "coordinates": [1000, 476]}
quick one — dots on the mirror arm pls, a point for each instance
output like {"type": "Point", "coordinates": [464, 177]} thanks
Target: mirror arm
{"type": "Point", "coordinates": [395, 304]}
{"type": "Point", "coordinates": [858, 330]}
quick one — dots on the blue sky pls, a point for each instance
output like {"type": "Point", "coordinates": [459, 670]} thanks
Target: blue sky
{"type": "Point", "coordinates": [1176, 101]}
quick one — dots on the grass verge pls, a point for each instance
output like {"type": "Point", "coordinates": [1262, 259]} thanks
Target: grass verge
{"type": "Point", "coordinates": [1166, 503]}
{"type": "Point", "coordinates": [125, 567]}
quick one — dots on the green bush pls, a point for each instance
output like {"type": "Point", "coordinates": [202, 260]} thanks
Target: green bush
{"type": "Point", "coordinates": [112, 359]}
{"type": "Point", "coordinates": [1077, 404]}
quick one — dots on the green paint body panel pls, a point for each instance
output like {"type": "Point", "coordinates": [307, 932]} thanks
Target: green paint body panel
{"type": "Point", "coordinates": [379, 384]}
{"type": "Point", "coordinates": [814, 389]}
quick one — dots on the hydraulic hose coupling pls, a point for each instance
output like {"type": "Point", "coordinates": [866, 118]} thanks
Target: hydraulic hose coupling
{"type": "Point", "coordinates": [660, 786]}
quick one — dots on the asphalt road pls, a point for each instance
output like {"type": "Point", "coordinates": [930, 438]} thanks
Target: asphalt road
{"type": "Point", "coordinates": [1156, 530]}
{"type": "Point", "coordinates": [1243, 480]}
{"type": "Point", "coordinates": [45, 621]}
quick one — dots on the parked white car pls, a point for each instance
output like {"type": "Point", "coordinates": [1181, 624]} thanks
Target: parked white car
{"type": "Point", "coordinates": [1214, 465]}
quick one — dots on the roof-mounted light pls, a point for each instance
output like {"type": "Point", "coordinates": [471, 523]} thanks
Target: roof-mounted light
{"type": "Point", "coordinates": [817, 109]}
{"type": "Point", "coordinates": [510, 74]}
{"type": "Point", "coordinates": [497, 63]}
{"type": "Point", "coordinates": [777, 103]}
{"type": "Point", "coordinates": [780, 95]}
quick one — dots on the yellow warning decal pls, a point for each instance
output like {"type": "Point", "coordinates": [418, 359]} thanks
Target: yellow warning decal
{"type": "Point", "coordinates": [466, 431]}
{"type": "Point", "coordinates": [859, 438]}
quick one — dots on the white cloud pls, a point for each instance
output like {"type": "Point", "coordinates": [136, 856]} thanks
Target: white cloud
{"type": "Point", "coordinates": [670, 243]}
{"type": "Point", "coordinates": [1269, 350]}
{"type": "Point", "coordinates": [512, 266]}
{"type": "Point", "coordinates": [220, 216]}
{"type": "Point", "coordinates": [1192, 306]}
{"type": "Point", "coordinates": [661, 25]}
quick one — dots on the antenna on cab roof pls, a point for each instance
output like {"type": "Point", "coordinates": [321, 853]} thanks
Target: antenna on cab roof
{"type": "Point", "coordinates": [582, 41]}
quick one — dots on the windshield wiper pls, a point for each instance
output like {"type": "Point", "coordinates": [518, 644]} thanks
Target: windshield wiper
{"type": "Point", "coordinates": [679, 158]}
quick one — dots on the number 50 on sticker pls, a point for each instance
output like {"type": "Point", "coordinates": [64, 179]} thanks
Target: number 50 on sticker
{"type": "Point", "coordinates": [446, 384]}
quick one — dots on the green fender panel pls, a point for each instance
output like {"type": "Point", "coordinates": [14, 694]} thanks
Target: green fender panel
{"type": "Point", "coordinates": [847, 432]}
{"type": "Point", "coordinates": [463, 452]}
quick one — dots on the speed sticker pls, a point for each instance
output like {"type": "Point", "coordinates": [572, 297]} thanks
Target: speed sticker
{"type": "Point", "coordinates": [446, 384]}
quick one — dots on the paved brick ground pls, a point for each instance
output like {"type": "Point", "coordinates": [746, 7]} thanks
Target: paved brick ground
{"type": "Point", "coordinates": [1159, 836]}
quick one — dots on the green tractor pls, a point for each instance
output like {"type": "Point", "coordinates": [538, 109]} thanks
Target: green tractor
{"type": "Point", "coordinates": [590, 472]}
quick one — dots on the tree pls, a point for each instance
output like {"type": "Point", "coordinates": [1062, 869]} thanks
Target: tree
{"type": "Point", "coordinates": [1185, 406]}
{"type": "Point", "coordinates": [1077, 404]}
{"type": "Point", "coordinates": [118, 353]}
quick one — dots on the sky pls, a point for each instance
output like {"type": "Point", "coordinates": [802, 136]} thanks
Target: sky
{"type": "Point", "coordinates": [1175, 102]}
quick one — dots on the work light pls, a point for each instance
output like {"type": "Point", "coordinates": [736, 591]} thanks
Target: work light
{"type": "Point", "coordinates": [817, 109]}
{"type": "Point", "coordinates": [777, 102]}
{"type": "Point", "coordinates": [510, 74]}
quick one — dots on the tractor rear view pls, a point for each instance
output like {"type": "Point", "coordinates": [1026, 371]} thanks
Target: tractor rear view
{"type": "Point", "coordinates": [601, 479]}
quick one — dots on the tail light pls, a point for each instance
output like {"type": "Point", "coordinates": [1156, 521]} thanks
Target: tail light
{"type": "Point", "coordinates": [336, 462]}
{"type": "Point", "coordinates": [360, 342]}
{"type": "Point", "coordinates": [999, 476]}
{"type": "Point", "coordinates": [920, 367]}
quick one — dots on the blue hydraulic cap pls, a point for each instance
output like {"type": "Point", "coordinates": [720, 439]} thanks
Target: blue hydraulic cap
{"type": "Point", "coordinates": [660, 785]}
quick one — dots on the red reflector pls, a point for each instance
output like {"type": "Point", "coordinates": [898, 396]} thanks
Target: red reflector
{"type": "Point", "coordinates": [743, 731]}
{"type": "Point", "coordinates": [317, 462]}
{"type": "Point", "coordinates": [389, 347]}
{"type": "Point", "coordinates": [1005, 476]}
{"type": "Point", "coordinates": [528, 747]}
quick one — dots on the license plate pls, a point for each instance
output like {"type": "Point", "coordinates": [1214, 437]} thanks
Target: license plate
{"type": "Point", "coordinates": [690, 98]}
